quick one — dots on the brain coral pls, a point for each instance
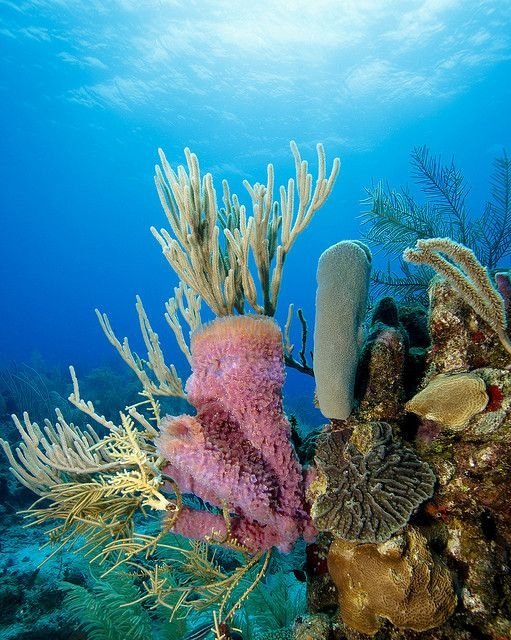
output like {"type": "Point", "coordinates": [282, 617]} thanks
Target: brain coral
{"type": "Point", "coordinates": [450, 400]}
{"type": "Point", "coordinates": [370, 483]}
{"type": "Point", "coordinates": [398, 580]}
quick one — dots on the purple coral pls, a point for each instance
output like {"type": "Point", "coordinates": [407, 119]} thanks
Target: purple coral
{"type": "Point", "coordinates": [503, 282]}
{"type": "Point", "coordinates": [236, 451]}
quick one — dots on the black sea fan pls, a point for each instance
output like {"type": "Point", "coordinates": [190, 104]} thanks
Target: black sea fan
{"type": "Point", "coordinates": [395, 220]}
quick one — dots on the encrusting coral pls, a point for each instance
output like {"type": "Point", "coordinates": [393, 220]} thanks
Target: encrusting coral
{"type": "Point", "coordinates": [316, 627]}
{"type": "Point", "coordinates": [464, 433]}
{"type": "Point", "coordinates": [398, 580]}
{"type": "Point", "coordinates": [461, 339]}
{"type": "Point", "coordinates": [237, 451]}
{"type": "Point", "coordinates": [473, 465]}
{"type": "Point", "coordinates": [369, 483]}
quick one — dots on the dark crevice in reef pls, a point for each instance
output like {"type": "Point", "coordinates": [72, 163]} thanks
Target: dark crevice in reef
{"type": "Point", "coordinates": [488, 525]}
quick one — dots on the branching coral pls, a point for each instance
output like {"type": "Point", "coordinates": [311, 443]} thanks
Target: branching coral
{"type": "Point", "coordinates": [467, 276]}
{"type": "Point", "coordinates": [94, 485]}
{"type": "Point", "coordinates": [43, 456]}
{"type": "Point", "coordinates": [188, 576]}
{"type": "Point", "coordinates": [219, 271]}
{"type": "Point", "coordinates": [212, 250]}
{"type": "Point", "coordinates": [156, 377]}
{"type": "Point", "coordinates": [396, 220]}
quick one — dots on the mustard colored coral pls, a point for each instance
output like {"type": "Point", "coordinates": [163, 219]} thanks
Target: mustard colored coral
{"type": "Point", "coordinates": [398, 580]}
{"type": "Point", "coordinates": [450, 400]}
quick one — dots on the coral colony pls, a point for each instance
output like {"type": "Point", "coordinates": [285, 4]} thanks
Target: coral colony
{"type": "Point", "coordinates": [404, 503]}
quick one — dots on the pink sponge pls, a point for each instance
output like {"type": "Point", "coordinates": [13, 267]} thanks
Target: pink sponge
{"type": "Point", "coordinates": [236, 451]}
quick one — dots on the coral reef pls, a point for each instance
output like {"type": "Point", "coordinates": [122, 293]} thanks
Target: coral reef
{"type": "Point", "coordinates": [461, 339]}
{"type": "Point", "coordinates": [397, 525]}
{"type": "Point", "coordinates": [455, 584]}
{"type": "Point", "coordinates": [473, 468]}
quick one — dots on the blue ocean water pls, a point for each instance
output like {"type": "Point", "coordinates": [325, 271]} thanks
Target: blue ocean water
{"type": "Point", "coordinates": [90, 90]}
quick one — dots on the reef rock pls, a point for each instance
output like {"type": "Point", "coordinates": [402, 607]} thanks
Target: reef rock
{"type": "Point", "coordinates": [380, 379]}
{"type": "Point", "coordinates": [461, 339]}
{"type": "Point", "coordinates": [315, 627]}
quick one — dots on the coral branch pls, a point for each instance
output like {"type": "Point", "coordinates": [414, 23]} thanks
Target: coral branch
{"type": "Point", "coordinates": [216, 269]}
{"type": "Point", "coordinates": [302, 364]}
{"type": "Point", "coordinates": [467, 276]}
{"type": "Point", "coordinates": [44, 455]}
{"type": "Point", "coordinates": [168, 383]}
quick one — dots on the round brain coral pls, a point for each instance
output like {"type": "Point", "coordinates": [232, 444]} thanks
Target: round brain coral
{"type": "Point", "coordinates": [370, 483]}
{"type": "Point", "coordinates": [399, 580]}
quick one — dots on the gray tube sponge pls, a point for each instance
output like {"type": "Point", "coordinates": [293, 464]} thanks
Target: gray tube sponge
{"type": "Point", "coordinates": [341, 303]}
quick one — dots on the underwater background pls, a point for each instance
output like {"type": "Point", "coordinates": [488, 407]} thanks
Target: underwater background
{"type": "Point", "coordinates": [90, 90]}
